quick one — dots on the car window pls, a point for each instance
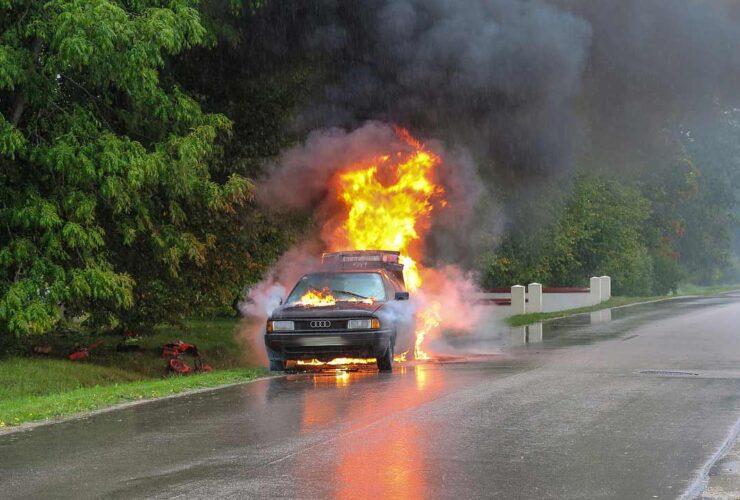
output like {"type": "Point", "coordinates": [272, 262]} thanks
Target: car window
{"type": "Point", "coordinates": [343, 286]}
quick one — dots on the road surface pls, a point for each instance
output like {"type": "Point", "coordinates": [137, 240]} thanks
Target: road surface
{"type": "Point", "coordinates": [641, 404]}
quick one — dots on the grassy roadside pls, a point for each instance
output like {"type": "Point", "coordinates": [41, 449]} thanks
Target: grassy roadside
{"type": "Point", "coordinates": [34, 388]}
{"type": "Point", "coordinates": [30, 408]}
{"type": "Point", "coordinates": [683, 291]}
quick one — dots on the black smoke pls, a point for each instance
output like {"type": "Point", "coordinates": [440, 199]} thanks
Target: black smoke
{"type": "Point", "coordinates": [527, 86]}
{"type": "Point", "coordinates": [497, 77]}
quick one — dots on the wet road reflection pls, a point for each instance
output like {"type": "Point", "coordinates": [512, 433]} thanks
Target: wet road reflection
{"type": "Point", "coordinates": [581, 329]}
{"type": "Point", "coordinates": [361, 463]}
{"type": "Point", "coordinates": [356, 426]}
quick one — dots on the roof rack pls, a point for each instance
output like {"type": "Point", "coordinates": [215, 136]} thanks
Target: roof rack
{"type": "Point", "coordinates": [364, 259]}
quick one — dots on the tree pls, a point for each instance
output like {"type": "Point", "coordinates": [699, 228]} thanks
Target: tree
{"type": "Point", "coordinates": [599, 230]}
{"type": "Point", "coordinates": [104, 174]}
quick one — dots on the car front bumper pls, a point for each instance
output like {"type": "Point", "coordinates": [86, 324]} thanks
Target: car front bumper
{"type": "Point", "coordinates": [329, 345]}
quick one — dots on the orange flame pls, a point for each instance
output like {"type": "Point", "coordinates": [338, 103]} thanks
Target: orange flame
{"type": "Point", "coordinates": [347, 361]}
{"type": "Point", "coordinates": [337, 362]}
{"type": "Point", "coordinates": [430, 318]}
{"type": "Point", "coordinates": [324, 298]}
{"type": "Point", "coordinates": [389, 202]}
{"type": "Point", "coordinates": [317, 298]}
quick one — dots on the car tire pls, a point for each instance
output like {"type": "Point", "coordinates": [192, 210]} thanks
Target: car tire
{"type": "Point", "coordinates": [385, 362]}
{"type": "Point", "coordinates": [277, 365]}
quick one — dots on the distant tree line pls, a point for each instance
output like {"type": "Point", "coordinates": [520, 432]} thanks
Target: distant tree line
{"type": "Point", "coordinates": [649, 226]}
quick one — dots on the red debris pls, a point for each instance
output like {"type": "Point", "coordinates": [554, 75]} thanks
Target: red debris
{"type": "Point", "coordinates": [179, 366]}
{"type": "Point", "coordinates": [172, 351]}
{"type": "Point", "coordinates": [83, 352]}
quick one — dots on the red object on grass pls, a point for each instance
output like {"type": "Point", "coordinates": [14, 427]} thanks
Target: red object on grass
{"type": "Point", "coordinates": [83, 352]}
{"type": "Point", "coordinates": [79, 354]}
{"type": "Point", "coordinates": [179, 366]}
{"type": "Point", "coordinates": [174, 349]}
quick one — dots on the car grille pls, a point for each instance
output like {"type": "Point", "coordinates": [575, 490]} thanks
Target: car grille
{"type": "Point", "coordinates": [320, 325]}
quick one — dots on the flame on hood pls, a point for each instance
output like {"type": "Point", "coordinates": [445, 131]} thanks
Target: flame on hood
{"type": "Point", "coordinates": [324, 298]}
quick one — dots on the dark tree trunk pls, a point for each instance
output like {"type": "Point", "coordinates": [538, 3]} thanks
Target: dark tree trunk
{"type": "Point", "coordinates": [21, 97]}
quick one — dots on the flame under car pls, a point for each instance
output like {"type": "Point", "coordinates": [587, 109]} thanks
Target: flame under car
{"type": "Point", "coordinates": [356, 306]}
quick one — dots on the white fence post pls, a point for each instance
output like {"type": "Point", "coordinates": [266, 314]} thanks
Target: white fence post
{"type": "Point", "coordinates": [595, 290]}
{"type": "Point", "coordinates": [606, 288]}
{"type": "Point", "coordinates": [517, 300]}
{"type": "Point", "coordinates": [535, 298]}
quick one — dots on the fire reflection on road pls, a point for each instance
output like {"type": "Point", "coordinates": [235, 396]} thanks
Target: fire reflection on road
{"type": "Point", "coordinates": [374, 466]}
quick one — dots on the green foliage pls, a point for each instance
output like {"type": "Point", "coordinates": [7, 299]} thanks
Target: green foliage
{"type": "Point", "coordinates": [598, 231]}
{"type": "Point", "coordinates": [667, 275]}
{"type": "Point", "coordinates": [108, 200]}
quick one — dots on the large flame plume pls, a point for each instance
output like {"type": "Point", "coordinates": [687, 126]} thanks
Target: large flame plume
{"type": "Point", "coordinates": [389, 201]}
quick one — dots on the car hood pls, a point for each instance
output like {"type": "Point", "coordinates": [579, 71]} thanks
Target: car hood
{"type": "Point", "coordinates": [339, 310]}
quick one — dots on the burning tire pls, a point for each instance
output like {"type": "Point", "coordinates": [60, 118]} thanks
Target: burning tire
{"type": "Point", "coordinates": [385, 362]}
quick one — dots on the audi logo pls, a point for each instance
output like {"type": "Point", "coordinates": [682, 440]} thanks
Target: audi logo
{"type": "Point", "coordinates": [320, 324]}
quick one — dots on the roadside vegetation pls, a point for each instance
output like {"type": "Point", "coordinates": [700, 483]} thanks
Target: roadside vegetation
{"type": "Point", "coordinates": [37, 387]}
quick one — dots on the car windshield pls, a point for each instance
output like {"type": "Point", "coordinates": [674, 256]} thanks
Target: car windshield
{"type": "Point", "coordinates": [343, 286]}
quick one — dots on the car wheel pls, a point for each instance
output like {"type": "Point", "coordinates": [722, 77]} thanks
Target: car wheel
{"type": "Point", "coordinates": [385, 362]}
{"type": "Point", "coordinates": [277, 365]}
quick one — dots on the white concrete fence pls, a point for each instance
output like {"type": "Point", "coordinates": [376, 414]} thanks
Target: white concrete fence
{"type": "Point", "coordinates": [536, 298]}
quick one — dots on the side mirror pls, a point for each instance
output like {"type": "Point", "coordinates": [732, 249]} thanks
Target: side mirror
{"type": "Point", "coordinates": [402, 296]}
{"type": "Point", "coordinates": [281, 301]}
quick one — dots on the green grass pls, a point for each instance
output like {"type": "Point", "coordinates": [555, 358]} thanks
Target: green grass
{"type": "Point", "coordinates": [31, 406]}
{"type": "Point", "coordinates": [689, 289]}
{"type": "Point", "coordinates": [684, 290]}
{"type": "Point", "coordinates": [39, 387]}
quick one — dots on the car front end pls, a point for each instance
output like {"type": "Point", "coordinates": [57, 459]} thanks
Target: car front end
{"type": "Point", "coordinates": [298, 333]}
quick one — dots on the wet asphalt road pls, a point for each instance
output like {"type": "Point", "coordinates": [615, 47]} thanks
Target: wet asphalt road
{"type": "Point", "coordinates": [561, 413]}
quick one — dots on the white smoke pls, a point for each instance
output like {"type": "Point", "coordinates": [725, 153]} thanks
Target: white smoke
{"type": "Point", "coordinates": [262, 298]}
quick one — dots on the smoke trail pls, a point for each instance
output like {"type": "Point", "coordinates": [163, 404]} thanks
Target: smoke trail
{"type": "Point", "coordinates": [265, 296]}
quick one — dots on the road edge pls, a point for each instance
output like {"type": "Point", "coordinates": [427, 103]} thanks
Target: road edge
{"type": "Point", "coordinates": [701, 478]}
{"type": "Point", "coordinates": [27, 426]}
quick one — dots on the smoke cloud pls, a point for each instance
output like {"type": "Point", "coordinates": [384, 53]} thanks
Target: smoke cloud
{"type": "Point", "coordinates": [527, 87]}
{"type": "Point", "coordinates": [495, 76]}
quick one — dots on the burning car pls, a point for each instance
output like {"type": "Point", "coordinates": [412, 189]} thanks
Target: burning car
{"type": "Point", "coordinates": [355, 306]}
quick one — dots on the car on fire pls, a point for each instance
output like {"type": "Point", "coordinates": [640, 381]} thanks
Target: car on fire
{"type": "Point", "coordinates": [355, 306]}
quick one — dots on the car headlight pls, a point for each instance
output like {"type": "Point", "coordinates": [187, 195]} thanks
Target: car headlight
{"type": "Point", "coordinates": [280, 326]}
{"type": "Point", "coordinates": [363, 324]}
